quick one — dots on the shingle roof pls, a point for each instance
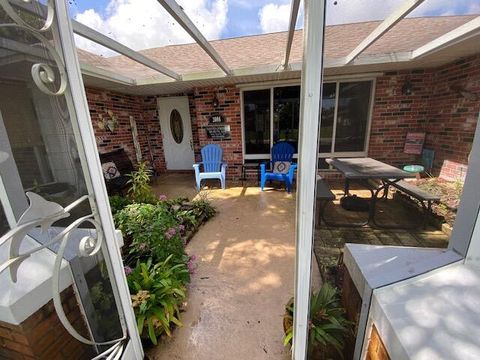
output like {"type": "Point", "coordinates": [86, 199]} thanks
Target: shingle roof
{"type": "Point", "coordinates": [268, 49]}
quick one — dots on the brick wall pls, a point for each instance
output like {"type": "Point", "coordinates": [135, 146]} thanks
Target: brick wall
{"type": "Point", "coordinates": [152, 134]}
{"type": "Point", "coordinates": [436, 106]}
{"type": "Point", "coordinates": [229, 106]}
{"type": "Point", "coordinates": [395, 114]}
{"type": "Point", "coordinates": [144, 111]}
{"type": "Point", "coordinates": [42, 336]}
{"type": "Point", "coordinates": [453, 116]}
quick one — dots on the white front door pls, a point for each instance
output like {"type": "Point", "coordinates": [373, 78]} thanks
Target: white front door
{"type": "Point", "coordinates": [176, 126]}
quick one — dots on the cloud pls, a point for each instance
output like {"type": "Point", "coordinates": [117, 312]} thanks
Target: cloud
{"type": "Point", "coordinates": [274, 17]}
{"type": "Point", "coordinates": [143, 24]}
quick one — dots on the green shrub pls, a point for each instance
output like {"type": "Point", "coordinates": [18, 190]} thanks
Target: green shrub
{"type": "Point", "coordinates": [118, 203]}
{"type": "Point", "coordinates": [189, 214]}
{"type": "Point", "coordinates": [140, 190]}
{"type": "Point", "coordinates": [203, 207]}
{"type": "Point", "coordinates": [157, 294]}
{"type": "Point", "coordinates": [328, 325]}
{"type": "Point", "coordinates": [154, 232]}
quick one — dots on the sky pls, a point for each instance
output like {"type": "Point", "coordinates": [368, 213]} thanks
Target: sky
{"type": "Point", "coordinates": [142, 24]}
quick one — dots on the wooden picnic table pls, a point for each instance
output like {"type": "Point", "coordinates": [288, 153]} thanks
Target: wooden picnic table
{"type": "Point", "coordinates": [362, 170]}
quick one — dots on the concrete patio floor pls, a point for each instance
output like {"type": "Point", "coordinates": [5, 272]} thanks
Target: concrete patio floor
{"type": "Point", "coordinates": [244, 276]}
{"type": "Point", "coordinates": [245, 269]}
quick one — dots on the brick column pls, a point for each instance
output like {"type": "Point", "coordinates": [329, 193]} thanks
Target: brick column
{"type": "Point", "coordinates": [42, 336]}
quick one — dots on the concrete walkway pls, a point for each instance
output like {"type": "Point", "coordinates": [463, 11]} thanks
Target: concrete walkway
{"type": "Point", "coordinates": [245, 274]}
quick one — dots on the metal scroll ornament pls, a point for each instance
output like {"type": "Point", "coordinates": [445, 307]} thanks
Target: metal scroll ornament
{"type": "Point", "coordinates": [42, 73]}
{"type": "Point", "coordinates": [5, 4]}
{"type": "Point", "coordinates": [42, 213]}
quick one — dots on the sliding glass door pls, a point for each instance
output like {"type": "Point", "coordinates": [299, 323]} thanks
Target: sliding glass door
{"type": "Point", "coordinates": [286, 113]}
{"type": "Point", "coordinates": [271, 115]}
{"type": "Point", "coordinates": [256, 120]}
{"type": "Point", "coordinates": [352, 116]}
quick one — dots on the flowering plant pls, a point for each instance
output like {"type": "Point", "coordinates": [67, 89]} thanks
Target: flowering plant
{"type": "Point", "coordinates": [154, 232]}
{"type": "Point", "coordinates": [157, 294]}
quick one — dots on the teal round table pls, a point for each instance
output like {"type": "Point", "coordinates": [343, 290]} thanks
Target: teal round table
{"type": "Point", "coordinates": [413, 168]}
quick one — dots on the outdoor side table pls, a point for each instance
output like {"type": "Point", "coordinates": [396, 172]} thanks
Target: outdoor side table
{"type": "Point", "coordinates": [246, 166]}
{"type": "Point", "coordinates": [414, 169]}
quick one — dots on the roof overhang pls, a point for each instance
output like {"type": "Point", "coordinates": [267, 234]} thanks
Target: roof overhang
{"type": "Point", "coordinates": [363, 64]}
{"type": "Point", "coordinates": [458, 43]}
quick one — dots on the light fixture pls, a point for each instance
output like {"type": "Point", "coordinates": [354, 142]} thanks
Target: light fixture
{"type": "Point", "coordinates": [407, 88]}
{"type": "Point", "coordinates": [215, 101]}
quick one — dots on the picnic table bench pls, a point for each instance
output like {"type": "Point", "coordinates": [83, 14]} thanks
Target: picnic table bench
{"type": "Point", "coordinates": [425, 198]}
{"type": "Point", "coordinates": [323, 196]}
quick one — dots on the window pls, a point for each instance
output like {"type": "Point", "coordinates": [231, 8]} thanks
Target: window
{"type": "Point", "coordinates": [256, 105]}
{"type": "Point", "coordinates": [329, 99]}
{"type": "Point", "coordinates": [286, 114]}
{"type": "Point", "coordinates": [176, 126]}
{"type": "Point", "coordinates": [352, 116]}
{"type": "Point", "coordinates": [272, 115]}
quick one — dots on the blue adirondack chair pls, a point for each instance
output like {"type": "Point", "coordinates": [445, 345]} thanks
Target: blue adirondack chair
{"type": "Point", "coordinates": [281, 152]}
{"type": "Point", "coordinates": [213, 165]}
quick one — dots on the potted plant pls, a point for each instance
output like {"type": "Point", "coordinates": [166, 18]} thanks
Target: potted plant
{"type": "Point", "coordinates": [328, 327]}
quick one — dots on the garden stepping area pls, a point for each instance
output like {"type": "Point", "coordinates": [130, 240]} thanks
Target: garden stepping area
{"type": "Point", "coordinates": [243, 278]}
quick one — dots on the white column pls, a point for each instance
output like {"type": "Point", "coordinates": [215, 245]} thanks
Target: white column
{"type": "Point", "coordinates": [307, 167]}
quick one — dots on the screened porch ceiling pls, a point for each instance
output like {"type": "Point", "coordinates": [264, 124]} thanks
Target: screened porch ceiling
{"type": "Point", "coordinates": [395, 43]}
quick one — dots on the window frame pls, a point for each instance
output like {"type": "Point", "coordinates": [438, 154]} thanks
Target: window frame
{"type": "Point", "coordinates": [337, 81]}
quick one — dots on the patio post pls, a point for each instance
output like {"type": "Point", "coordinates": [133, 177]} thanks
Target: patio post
{"type": "Point", "coordinates": [310, 103]}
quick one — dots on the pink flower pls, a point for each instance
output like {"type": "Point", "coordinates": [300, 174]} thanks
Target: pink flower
{"type": "Point", "coordinates": [170, 233]}
{"type": "Point", "coordinates": [128, 270]}
{"type": "Point", "coordinates": [162, 197]}
{"type": "Point", "coordinates": [181, 228]}
{"type": "Point", "coordinates": [142, 246]}
{"type": "Point", "coordinates": [191, 264]}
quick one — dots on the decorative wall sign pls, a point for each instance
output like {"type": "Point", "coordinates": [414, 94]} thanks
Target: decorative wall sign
{"type": "Point", "coordinates": [216, 119]}
{"type": "Point", "coordinates": [414, 143]}
{"type": "Point", "coordinates": [218, 132]}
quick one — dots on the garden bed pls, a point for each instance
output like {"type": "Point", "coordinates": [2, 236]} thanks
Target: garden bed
{"type": "Point", "coordinates": [449, 192]}
{"type": "Point", "coordinates": [156, 231]}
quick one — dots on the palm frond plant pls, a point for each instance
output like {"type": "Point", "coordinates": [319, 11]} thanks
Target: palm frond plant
{"type": "Point", "coordinates": [158, 292]}
{"type": "Point", "coordinates": [328, 327]}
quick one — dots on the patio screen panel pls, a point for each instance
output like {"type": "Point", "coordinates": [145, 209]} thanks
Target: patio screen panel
{"type": "Point", "coordinates": [39, 155]}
